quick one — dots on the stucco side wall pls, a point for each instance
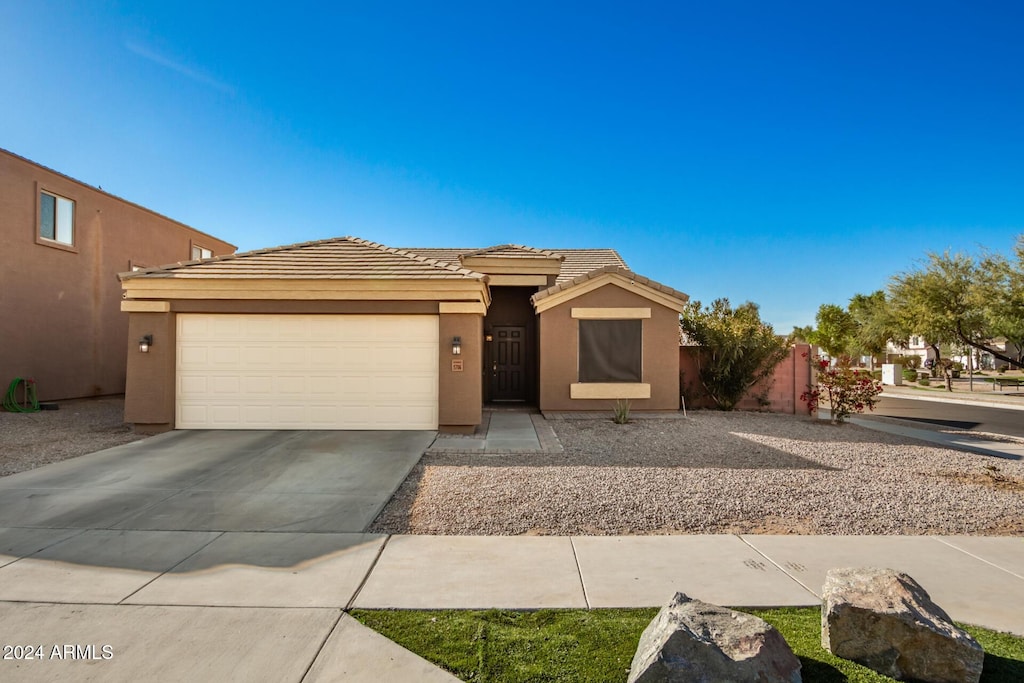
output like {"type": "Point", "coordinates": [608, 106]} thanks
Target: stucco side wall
{"type": "Point", "coordinates": [559, 347]}
{"type": "Point", "coordinates": [782, 390]}
{"type": "Point", "coordinates": [460, 393]}
{"type": "Point", "coordinates": [150, 387]}
{"type": "Point", "coordinates": [60, 316]}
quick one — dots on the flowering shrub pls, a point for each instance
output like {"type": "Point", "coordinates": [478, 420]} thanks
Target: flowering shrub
{"type": "Point", "coordinates": [847, 389]}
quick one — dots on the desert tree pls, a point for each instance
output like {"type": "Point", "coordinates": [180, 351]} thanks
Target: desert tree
{"type": "Point", "coordinates": [736, 349]}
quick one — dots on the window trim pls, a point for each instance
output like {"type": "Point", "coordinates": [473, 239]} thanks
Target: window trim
{"type": "Point", "coordinates": [193, 245]}
{"type": "Point", "coordinates": [38, 218]}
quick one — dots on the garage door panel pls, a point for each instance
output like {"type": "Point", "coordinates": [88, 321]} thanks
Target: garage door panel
{"type": "Point", "coordinates": [224, 355]}
{"type": "Point", "coordinates": [192, 384]}
{"type": "Point", "coordinates": [323, 385]}
{"type": "Point", "coordinates": [307, 372]}
{"type": "Point", "coordinates": [416, 388]}
{"type": "Point", "coordinates": [325, 356]}
{"type": "Point", "coordinates": [191, 354]}
{"type": "Point", "coordinates": [224, 385]}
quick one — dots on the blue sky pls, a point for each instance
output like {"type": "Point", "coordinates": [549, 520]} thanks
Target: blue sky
{"type": "Point", "coordinates": [788, 153]}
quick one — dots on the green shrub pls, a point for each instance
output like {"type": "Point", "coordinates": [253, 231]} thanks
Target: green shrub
{"type": "Point", "coordinates": [910, 361]}
{"type": "Point", "coordinates": [621, 412]}
{"type": "Point", "coordinates": [735, 351]}
{"type": "Point", "coordinates": [924, 381]}
{"type": "Point", "coordinates": [910, 375]}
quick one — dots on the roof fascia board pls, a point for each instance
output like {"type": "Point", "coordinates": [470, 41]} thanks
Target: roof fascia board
{"type": "Point", "coordinates": [513, 266]}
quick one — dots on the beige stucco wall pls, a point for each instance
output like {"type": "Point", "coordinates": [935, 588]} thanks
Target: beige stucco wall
{"type": "Point", "coordinates": [150, 387]}
{"type": "Point", "coordinates": [460, 394]}
{"type": "Point", "coordinates": [60, 316]}
{"type": "Point", "coordinates": [559, 342]}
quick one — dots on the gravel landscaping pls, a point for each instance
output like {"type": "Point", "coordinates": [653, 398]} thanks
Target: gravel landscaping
{"type": "Point", "coordinates": [713, 473]}
{"type": "Point", "coordinates": [29, 440]}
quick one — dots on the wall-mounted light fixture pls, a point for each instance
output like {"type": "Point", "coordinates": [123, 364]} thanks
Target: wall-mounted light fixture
{"type": "Point", "coordinates": [456, 346]}
{"type": "Point", "coordinates": [145, 343]}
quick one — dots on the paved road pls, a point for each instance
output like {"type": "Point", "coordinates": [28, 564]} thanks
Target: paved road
{"type": "Point", "coordinates": [974, 418]}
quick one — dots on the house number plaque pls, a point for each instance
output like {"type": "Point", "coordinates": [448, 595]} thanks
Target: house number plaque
{"type": "Point", "coordinates": [457, 365]}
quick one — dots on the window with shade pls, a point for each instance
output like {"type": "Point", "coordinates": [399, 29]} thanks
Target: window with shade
{"type": "Point", "coordinates": [610, 351]}
{"type": "Point", "coordinates": [56, 218]}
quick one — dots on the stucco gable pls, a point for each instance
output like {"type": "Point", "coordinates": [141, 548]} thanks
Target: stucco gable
{"type": "Point", "coordinates": [610, 275]}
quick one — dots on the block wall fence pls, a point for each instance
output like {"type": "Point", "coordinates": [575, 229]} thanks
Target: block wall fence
{"type": "Point", "coordinates": [792, 377]}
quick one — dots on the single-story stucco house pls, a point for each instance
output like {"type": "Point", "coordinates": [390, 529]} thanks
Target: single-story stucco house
{"type": "Point", "coordinates": [348, 334]}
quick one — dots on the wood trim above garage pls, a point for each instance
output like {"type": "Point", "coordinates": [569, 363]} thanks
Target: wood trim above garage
{"type": "Point", "coordinates": [145, 306]}
{"type": "Point", "coordinates": [471, 291]}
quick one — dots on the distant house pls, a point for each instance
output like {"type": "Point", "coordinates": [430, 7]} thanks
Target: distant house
{"type": "Point", "coordinates": [62, 245]}
{"type": "Point", "coordinates": [349, 334]}
{"type": "Point", "coordinates": [916, 346]}
{"type": "Point", "coordinates": [978, 359]}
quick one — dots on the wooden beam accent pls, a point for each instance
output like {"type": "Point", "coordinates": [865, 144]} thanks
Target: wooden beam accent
{"type": "Point", "coordinates": [518, 280]}
{"type": "Point", "coordinates": [611, 313]}
{"type": "Point", "coordinates": [145, 306]}
{"type": "Point", "coordinates": [476, 307]}
{"type": "Point", "coordinates": [610, 390]}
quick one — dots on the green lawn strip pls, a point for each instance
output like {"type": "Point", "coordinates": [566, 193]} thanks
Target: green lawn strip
{"type": "Point", "coordinates": [598, 645]}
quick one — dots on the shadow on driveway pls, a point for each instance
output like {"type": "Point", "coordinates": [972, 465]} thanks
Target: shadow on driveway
{"type": "Point", "coordinates": [149, 505]}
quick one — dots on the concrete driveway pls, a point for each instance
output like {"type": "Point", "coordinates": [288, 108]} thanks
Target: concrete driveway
{"type": "Point", "coordinates": [202, 556]}
{"type": "Point", "coordinates": [219, 481]}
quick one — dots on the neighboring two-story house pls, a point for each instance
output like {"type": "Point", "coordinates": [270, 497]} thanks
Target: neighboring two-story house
{"type": "Point", "coordinates": [62, 245]}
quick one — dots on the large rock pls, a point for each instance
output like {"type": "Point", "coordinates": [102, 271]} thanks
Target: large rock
{"type": "Point", "coordinates": [885, 620]}
{"type": "Point", "coordinates": [697, 642]}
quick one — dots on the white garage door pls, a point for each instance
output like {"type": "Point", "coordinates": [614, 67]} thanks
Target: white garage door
{"type": "Point", "coordinates": [306, 372]}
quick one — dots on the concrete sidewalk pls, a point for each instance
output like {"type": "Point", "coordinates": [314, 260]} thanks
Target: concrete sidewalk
{"type": "Point", "coordinates": [270, 606]}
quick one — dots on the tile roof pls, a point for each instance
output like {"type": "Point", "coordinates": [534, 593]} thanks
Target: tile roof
{"type": "Point", "coordinates": [338, 258]}
{"type": "Point", "coordinates": [513, 251]}
{"type": "Point", "coordinates": [562, 286]}
{"type": "Point", "coordinates": [575, 262]}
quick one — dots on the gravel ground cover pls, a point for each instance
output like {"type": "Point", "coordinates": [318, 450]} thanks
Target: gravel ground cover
{"type": "Point", "coordinates": [713, 473]}
{"type": "Point", "coordinates": [29, 440]}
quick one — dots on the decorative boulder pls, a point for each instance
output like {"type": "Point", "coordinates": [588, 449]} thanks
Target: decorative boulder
{"type": "Point", "coordinates": [885, 620]}
{"type": "Point", "coordinates": [697, 642]}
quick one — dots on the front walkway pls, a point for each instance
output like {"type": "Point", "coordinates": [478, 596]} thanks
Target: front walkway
{"type": "Point", "coordinates": [501, 433]}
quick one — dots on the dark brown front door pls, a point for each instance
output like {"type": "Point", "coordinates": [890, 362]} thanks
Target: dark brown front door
{"type": "Point", "coordinates": [508, 364]}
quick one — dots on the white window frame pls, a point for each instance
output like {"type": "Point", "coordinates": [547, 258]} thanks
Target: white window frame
{"type": "Point", "coordinates": [63, 220]}
{"type": "Point", "coordinates": [203, 252]}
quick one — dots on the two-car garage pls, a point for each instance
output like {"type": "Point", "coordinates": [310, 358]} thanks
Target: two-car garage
{"type": "Point", "coordinates": [334, 334]}
{"type": "Point", "coordinates": [306, 371]}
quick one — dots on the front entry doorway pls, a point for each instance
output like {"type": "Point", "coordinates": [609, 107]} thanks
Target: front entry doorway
{"type": "Point", "coordinates": [508, 364]}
